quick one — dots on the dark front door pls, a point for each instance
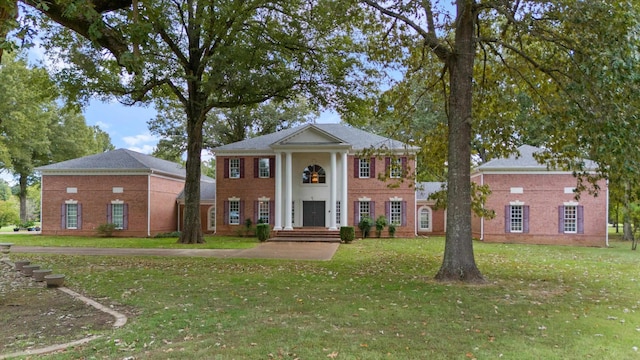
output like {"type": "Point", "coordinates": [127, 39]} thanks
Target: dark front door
{"type": "Point", "coordinates": [313, 213]}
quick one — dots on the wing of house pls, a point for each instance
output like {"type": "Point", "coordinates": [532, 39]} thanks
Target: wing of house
{"type": "Point", "coordinates": [137, 192]}
{"type": "Point", "coordinates": [538, 205]}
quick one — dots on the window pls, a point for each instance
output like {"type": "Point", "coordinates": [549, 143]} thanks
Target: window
{"type": "Point", "coordinates": [338, 212]}
{"type": "Point", "coordinates": [293, 212]}
{"type": "Point", "coordinates": [395, 167]}
{"type": "Point", "coordinates": [71, 216]}
{"type": "Point", "coordinates": [212, 218]}
{"type": "Point", "coordinates": [264, 170]}
{"type": "Point", "coordinates": [263, 212]}
{"type": "Point", "coordinates": [571, 219]}
{"type": "Point", "coordinates": [396, 213]}
{"type": "Point", "coordinates": [234, 168]}
{"type": "Point", "coordinates": [425, 219]}
{"type": "Point", "coordinates": [365, 168]}
{"type": "Point", "coordinates": [516, 218]}
{"type": "Point", "coordinates": [234, 212]}
{"type": "Point", "coordinates": [314, 174]}
{"type": "Point", "coordinates": [364, 209]}
{"type": "Point", "coordinates": [117, 215]}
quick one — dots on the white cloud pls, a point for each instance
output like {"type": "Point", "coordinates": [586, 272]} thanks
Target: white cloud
{"type": "Point", "coordinates": [145, 149]}
{"type": "Point", "coordinates": [140, 139]}
{"type": "Point", "coordinates": [103, 125]}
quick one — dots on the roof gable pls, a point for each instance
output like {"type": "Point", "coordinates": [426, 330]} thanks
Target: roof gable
{"type": "Point", "coordinates": [309, 135]}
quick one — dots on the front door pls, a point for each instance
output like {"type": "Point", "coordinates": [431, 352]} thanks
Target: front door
{"type": "Point", "coordinates": [313, 213]}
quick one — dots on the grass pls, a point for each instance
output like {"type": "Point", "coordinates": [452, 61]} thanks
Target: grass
{"type": "Point", "coordinates": [212, 242]}
{"type": "Point", "coordinates": [375, 300]}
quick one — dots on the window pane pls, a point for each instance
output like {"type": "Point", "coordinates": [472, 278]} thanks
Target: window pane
{"type": "Point", "coordinates": [264, 171]}
{"type": "Point", "coordinates": [364, 209]}
{"type": "Point", "coordinates": [72, 216]}
{"type": "Point", "coordinates": [396, 212]}
{"type": "Point", "coordinates": [425, 218]}
{"type": "Point", "coordinates": [234, 212]}
{"type": "Point", "coordinates": [570, 219]}
{"type": "Point", "coordinates": [396, 168]}
{"type": "Point", "coordinates": [338, 212]}
{"type": "Point", "coordinates": [516, 218]}
{"type": "Point", "coordinates": [234, 168]}
{"type": "Point", "coordinates": [263, 212]}
{"type": "Point", "coordinates": [117, 215]}
{"type": "Point", "coordinates": [365, 168]}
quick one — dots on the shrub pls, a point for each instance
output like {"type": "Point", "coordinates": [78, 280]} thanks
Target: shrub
{"type": "Point", "coordinates": [381, 222]}
{"type": "Point", "coordinates": [365, 226]}
{"type": "Point", "coordinates": [106, 230]}
{"type": "Point", "coordinates": [168, 235]}
{"type": "Point", "coordinates": [263, 231]}
{"type": "Point", "coordinates": [347, 234]}
{"type": "Point", "coordinates": [392, 230]}
{"type": "Point", "coordinates": [249, 229]}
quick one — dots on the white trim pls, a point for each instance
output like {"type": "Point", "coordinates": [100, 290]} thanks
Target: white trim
{"type": "Point", "coordinates": [571, 203]}
{"type": "Point", "coordinates": [517, 190]}
{"type": "Point", "coordinates": [117, 189]}
{"type": "Point", "coordinates": [117, 202]}
{"type": "Point", "coordinates": [72, 190]}
{"type": "Point", "coordinates": [430, 228]}
{"type": "Point", "coordinates": [71, 201]}
{"type": "Point", "coordinates": [395, 198]}
{"type": "Point", "coordinates": [364, 199]}
{"type": "Point", "coordinates": [233, 198]}
{"type": "Point", "coordinates": [569, 190]}
{"type": "Point", "coordinates": [516, 203]}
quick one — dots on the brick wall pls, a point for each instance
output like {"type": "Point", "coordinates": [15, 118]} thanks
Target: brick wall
{"type": "Point", "coordinates": [543, 193]}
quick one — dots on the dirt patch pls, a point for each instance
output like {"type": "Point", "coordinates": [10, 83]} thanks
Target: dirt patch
{"type": "Point", "coordinates": [34, 316]}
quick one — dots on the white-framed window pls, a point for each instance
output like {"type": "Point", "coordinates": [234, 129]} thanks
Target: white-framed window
{"type": "Point", "coordinates": [263, 211]}
{"type": "Point", "coordinates": [516, 218]}
{"type": "Point", "coordinates": [117, 215]}
{"type": "Point", "coordinates": [234, 212]}
{"type": "Point", "coordinates": [211, 224]}
{"type": "Point", "coordinates": [234, 168]}
{"type": "Point", "coordinates": [263, 168]}
{"type": "Point", "coordinates": [395, 212]}
{"type": "Point", "coordinates": [365, 209]}
{"type": "Point", "coordinates": [71, 214]}
{"type": "Point", "coordinates": [314, 174]}
{"type": "Point", "coordinates": [570, 219]}
{"type": "Point", "coordinates": [395, 168]}
{"type": "Point", "coordinates": [365, 168]}
{"type": "Point", "coordinates": [425, 219]}
{"type": "Point", "coordinates": [338, 212]}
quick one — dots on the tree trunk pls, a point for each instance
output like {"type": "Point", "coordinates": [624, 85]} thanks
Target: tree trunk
{"type": "Point", "coordinates": [459, 263]}
{"type": "Point", "coordinates": [23, 198]}
{"type": "Point", "coordinates": [192, 229]}
{"type": "Point", "coordinates": [627, 229]}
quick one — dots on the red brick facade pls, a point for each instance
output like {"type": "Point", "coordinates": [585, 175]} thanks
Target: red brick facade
{"type": "Point", "coordinates": [543, 197]}
{"type": "Point", "coordinates": [150, 203]}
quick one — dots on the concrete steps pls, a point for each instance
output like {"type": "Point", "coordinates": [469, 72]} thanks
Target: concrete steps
{"type": "Point", "coordinates": [306, 235]}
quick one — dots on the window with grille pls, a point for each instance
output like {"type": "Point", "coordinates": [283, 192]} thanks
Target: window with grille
{"type": "Point", "coordinates": [516, 218]}
{"type": "Point", "coordinates": [263, 168]}
{"type": "Point", "coordinates": [365, 168]}
{"type": "Point", "coordinates": [72, 216]}
{"type": "Point", "coordinates": [395, 170]}
{"type": "Point", "coordinates": [570, 219]}
{"type": "Point", "coordinates": [234, 212]}
{"type": "Point", "coordinates": [234, 168]}
{"type": "Point", "coordinates": [396, 213]}
{"type": "Point", "coordinates": [263, 212]}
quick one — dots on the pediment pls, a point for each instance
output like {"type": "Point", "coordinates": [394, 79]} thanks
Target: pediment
{"type": "Point", "coordinates": [310, 136]}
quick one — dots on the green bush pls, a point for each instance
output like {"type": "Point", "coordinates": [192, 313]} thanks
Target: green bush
{"type": "Point", "coordinates": [347, 234]}
{"type": "Point", "coordinates": [168, 235]}
{"type": "Point", "coordinates": [381, 222]}
{"type": "Point", "coordinates": [106, 230]}
{"type": "Point", "coordinates": [365, 226]}
{"type": "Point", "coordinates": [263, 231]}
{"type": "Point", "coordinates": [392, 230]}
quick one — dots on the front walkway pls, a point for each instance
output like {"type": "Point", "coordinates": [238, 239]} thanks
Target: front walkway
{"type": "Point", "coordinates": [268, 250]}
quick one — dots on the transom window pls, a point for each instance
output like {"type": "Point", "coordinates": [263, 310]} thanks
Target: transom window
{"type": "Point", "coordinates": [395, 168]}
{"type": "Point", "coordinates": [234, 168]}
{"type": "Point", "coordinates": [72, 216]}
{"type": "Point", "coordinates": [365, 168]}
{"type": "Point", "coordinates": [516, 218]}
{"type": "Point", "coordinates": [396, 212]}
{"type": "Point", "coordinates": [263, 168]}
{"type": "Point", "coordinates": [314, 174]}
{"type": "Point", "coordinates": [570, 219]}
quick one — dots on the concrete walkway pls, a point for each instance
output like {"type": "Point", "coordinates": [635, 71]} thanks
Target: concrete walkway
{"type": "Point", "coordinates": [268, 250]}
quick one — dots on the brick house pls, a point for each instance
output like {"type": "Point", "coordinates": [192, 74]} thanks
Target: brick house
{"type": "Point", "coordinates": [315, 176]}
{"type": "Point", "coordinates": [429, 220]}
{"type": "Point", "coordinates": [136, 192]}
{"type": "Point", "coordinates": [537, 205]}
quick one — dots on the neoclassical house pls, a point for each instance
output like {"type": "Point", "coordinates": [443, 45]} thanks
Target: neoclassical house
{"type": "Point", "coordinates": [315, 176]}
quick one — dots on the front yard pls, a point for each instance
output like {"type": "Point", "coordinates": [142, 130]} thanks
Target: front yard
{"type": "Point", "coordinates": [375, 300]}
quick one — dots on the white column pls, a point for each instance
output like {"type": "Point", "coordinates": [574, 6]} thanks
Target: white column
{"type": "Point", "coordinates": [278, 204]}
{"type": "Point", "coordinates": [287, 192]}
{"type": "Point", "coordinates": [333, 189]}
{"type": "Point", "coordinates": [344, 207]}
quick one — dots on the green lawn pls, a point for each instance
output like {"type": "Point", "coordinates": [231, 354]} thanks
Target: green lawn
{"type": "Point", "coordinates": [375, 300]}
{"type": "Point", "coordinates": [212, 242]}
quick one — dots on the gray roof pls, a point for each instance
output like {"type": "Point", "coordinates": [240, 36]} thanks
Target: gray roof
{"type": "Point", "coordinates": [424, 189]}
{"type": "Point", "coordinates": [341, 134]}
{"type": "Point", "coordinates": [524, 161]}
{"type": "Point", "coordinates": [207, 191]}
{"type": "Point", "coordinates": [117, 160]}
